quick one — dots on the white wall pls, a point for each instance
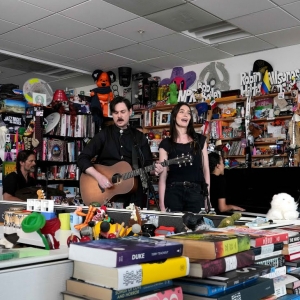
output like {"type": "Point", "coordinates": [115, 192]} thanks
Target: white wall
{"type": "Point", "coordinates": [282, 59]}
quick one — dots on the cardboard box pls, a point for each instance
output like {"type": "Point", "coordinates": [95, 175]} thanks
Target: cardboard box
{"type": "Point", "coordinates": [13, 106]}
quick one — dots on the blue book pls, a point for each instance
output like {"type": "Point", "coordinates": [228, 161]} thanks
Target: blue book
{"type": "Point", "coordinates": [290, 297]}
{"type": "Point", "coordinates": [124, 251]}
{"type": "Point", "coordinates": [103, 293]}
{"type": "Point", "coordinates": [252, 290]}
{"type": "Point", "coordinates": [198, 289]}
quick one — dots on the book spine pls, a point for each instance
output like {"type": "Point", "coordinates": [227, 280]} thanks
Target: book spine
{"type": "Point", "coordinates": [267, 240]}
{"type": "Point", "coordinates": [276, 262]}
{"type": "Point", "coordinates": [293, 239]}
{"type": "Point", "coordinates": [277, 272]}
{"type": "Point", "coordinates": [291, 250]}
{"type": "Point", "coordinates": [280, 291]}
{"type": "Point", "coordinates": [266, 255]}
{"type": "Point", "coordinates": [223, 264]}
{"type": "Point", "coordinates": [128, 258]}
{"type": "Point", "coordinates": [267, 248]}
{"type": "Point", "coordinates": [135, 291]}
{"type": "Point", "coordinates": [291, 257]}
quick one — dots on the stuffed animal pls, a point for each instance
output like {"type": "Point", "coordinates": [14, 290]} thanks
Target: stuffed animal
{"type": "Point", "coordinates": [173, 94]}
{"type": "Point", "coordinates": [102, 95]}
{"type": "Point", "coordinates": [283, 207]}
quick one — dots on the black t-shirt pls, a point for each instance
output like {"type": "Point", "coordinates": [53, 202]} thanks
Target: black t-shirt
{"type": "Point", "coordinates": [16, 181]}
{"type": "Point", "coordinates": [189, 172]}
{"type": "Point", "coordinates": [217, 190]}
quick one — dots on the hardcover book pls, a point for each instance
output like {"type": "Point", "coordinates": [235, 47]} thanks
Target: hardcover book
{"type": "Point", "coordinates": [267, 249]}
{"type": "Point", "coordinates": [291, 257]}
{"type": "Point", "coordinates": [260, 237]}
{"type": "Point", "coordinates": [294, 263]}
{"type": "Point", "coordinates": [169, 293]}
{"type": "Point", "coordinates": [234, 277]}
{"type": "Point", "coordinates": [291, 248]}
{"type": "Point", "coordinates": [276, 261]}
{"type": "Point", "coordinates": [211, 244]}
{"type": "Point", "coordinates": [252, 290]}
{"type": "Point", "coordinates": [203, 268]}
{"type": "Point", "coordinates": [131, 276]}
{"type": "Point", "coordinates": [102, 293]}
{"type": "Point", "coordinates": [124, 251]}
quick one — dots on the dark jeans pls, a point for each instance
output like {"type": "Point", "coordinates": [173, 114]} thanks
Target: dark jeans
{"type": "Point", "coordinates": [184, 198]}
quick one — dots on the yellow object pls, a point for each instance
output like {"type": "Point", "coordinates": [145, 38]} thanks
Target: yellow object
{"type": "Point", "coordinates": [64, 221]}
{"type": "Point", "coordinates": [113, 229]}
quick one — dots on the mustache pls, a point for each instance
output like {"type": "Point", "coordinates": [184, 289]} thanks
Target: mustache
{"type": "Point", "coordinates": [120, 120]}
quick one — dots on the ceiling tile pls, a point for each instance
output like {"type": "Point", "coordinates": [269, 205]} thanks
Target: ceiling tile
{"type": "Point", "coordinates": [99, 14]}
{"type": "Point", "coordinates": [48, 56]}
{"type": "Point", "coordinates": [21, 13]}
{"type": "Point", "coordinates": [62, 26]}
{"type": "Point", "coordinates": [174, 43]}
{"type": "Point", "coordinates": [7, 26]}
{"type": "Point", "coordinates": [282, 38]}
{"type": "Point", "coordinates": [103, 61]}
{"type": "Point", "coordinates": [204, 54]}
{"type": "Point", "coordinates": [169, 62]}
{"type": "Point", "coordinates": [228, 9]}
{"type": "Point", "coordinates": [30, 37]}
{"type": "Point", "coordinates": [265, 21]}
{"type": "Point", "coordinates": [138, 52]}
{"type": "Point", "coordinates": [130, 30]}
{"type": "Point", "coordinates": [243, 46]}
{"type": "Point", "coordinates": [14, 47]}
{"type": "Point", "coordinates": [282, 2]}
{"type": "Point", "coordinates": [143, 67]}
{"type": "Point", "coordinates": [79, 81]}
{"type": "Point", "coordinates": [54, 5]}
{"type": "Point", "coordinates": [103, 40]}
{"type": "Point", "coordinates": [145, 7]}
{"type": "Point", "coordinates": [4, 57]}
{"type": "Point", "coordinates": [8, 72]}
{"type": "Point", "coordinates": [183, 17]}
{"type": "Point", "coordinates": [72, 50]}
{"type": "Point", "coordinates": [293, 9]}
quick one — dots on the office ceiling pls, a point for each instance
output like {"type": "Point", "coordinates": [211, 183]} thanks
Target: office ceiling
{"type": "Point", "coordinates": [69, 39]}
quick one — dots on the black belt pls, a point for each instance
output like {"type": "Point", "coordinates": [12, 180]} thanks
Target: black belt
{"type": "Point", "coordinates": [186, 183]}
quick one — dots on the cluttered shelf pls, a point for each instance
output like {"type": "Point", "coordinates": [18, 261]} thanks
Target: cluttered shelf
{"type": "Point", "coordinates": [230, 99]}
{"type": "Point", "coordinates": [272, 119]}
{"type": "Point", "coordinates": [270, 96]}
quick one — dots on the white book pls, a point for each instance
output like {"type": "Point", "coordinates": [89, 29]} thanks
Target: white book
{"type": "Point", "coordinates": [63, 126]}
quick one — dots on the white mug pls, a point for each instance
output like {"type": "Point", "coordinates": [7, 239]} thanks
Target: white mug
{"type": "Point", "coordinates": [74, 220]}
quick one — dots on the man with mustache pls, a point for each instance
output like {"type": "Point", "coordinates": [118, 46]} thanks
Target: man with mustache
{"type": "Point", "coordinates": [21, 178]}
{"type": "Point", "coordinates": [115, 143]}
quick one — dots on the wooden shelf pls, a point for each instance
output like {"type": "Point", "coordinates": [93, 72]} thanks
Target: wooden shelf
{"type": "Point", "coordinates": [272, 119]}
{"type": "Point", "coordinates": [167, 126]}
{"type": "Point", "coordinates": [231, 119]}
{"type": "Point", "coordinates": [235, 156]}
{"type": "Point", "coordinates": [268, 142]}
{"type": "Point", "coordinates": [232, 139]}
{"type": "Point", "coordinates": [269, 96]}
{"type": "Point", "coordinates": [229, 99]}
{"type": "Point", "coordinates": [269, 155]}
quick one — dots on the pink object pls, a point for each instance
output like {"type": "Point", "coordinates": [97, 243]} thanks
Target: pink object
{"type": "Point", "coordinates": [59, 96]}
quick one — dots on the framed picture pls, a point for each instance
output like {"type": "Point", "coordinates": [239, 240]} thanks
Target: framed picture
{"type": "Point", "coordinates": [164, 118]}
{"type": "Point", "coordinates": [136, 120]}
{"type": "Point", "coordinates": [39, 99]}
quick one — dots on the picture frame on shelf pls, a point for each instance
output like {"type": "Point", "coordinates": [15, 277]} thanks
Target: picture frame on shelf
{"type": "Point", "coordinates": [135, 120]}
{"type": "Point", "coordinates": [164, 118]}
{"type": "Point", "coordinates": [39, 99]}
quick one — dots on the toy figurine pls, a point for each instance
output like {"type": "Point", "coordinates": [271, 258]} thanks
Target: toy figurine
{"type": "Point", "coordinates": [102, 95]}
{"type": "Point", "coordinates": [229, 221]}
{"type": "Point", "coordinates": [173, 94]}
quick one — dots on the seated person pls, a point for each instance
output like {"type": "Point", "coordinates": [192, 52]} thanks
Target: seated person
{"type": "Point", "coordinates": [21, 178]}
{"type": "Point", "coordinates": [218, 185]}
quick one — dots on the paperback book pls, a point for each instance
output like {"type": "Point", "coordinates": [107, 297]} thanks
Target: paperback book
{"type": "Point", "coordinates": [211, 244]}
{"type": "Point", "coordinates": [233, 277]}
{"type": "Point", "coordinates": [124, 251]}
{"type": "Point", "coordinates": [102, 293]}
{"type": "Point", "coordinates": [259, 237]}
{"type": "Point", "coordinates": [133, 275]}
{"type": "Point", "coordinates": [255, 289]}
{"type": "Point", "coordinates": [203, 268]}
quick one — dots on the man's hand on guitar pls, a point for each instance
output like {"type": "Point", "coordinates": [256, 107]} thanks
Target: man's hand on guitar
{"type": "Point", "coordinates": [104, 182]}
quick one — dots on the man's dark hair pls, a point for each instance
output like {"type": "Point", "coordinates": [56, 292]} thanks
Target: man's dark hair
{"type": "Point", "coordinates": [118, 100]}
{"type": "Point", "coordinates": [214, 159]}
{"type": "Point", "coordinates": [22, 157]}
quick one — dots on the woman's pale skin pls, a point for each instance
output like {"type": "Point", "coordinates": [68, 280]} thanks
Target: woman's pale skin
{"type": "Point", "coordinates": [182, 120]}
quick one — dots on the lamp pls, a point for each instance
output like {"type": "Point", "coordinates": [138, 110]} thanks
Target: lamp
{"type": "Point", "coordinates": [59, 96]}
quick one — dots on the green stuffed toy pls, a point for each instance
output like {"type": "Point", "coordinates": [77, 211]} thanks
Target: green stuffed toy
{"type": "Point", "coordinates": [229, 221]}
{"type": "Point", "coordinates": [172, 94]}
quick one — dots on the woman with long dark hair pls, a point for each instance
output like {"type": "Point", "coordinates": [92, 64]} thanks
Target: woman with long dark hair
{"type": "Point", "coordinates": [184, 188]}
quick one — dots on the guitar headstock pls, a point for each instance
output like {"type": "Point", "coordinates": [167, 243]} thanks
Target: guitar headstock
{"type": "Point", "coordinates": [180, 160]}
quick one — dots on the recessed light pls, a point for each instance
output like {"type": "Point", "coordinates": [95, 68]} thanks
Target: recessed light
{"type": "Point", "coordinates": [141, 31]}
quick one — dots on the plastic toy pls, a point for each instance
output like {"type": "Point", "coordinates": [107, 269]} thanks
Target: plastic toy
{"type": "Point", "coordinates": [229, 221]}
{"type": "Point", "coordinates": [173, 94]}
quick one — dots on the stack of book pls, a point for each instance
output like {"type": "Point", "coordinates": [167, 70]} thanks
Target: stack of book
{"type": "Point", "coordinates": [222, 266]}
{"type": "Point", "coordinates": [126, 267]}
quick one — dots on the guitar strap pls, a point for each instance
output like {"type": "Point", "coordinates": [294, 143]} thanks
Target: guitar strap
{"type": "Point", "coordinates": [136, 153]}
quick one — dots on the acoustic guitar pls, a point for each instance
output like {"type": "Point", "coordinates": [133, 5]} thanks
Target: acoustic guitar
{"type": "Point", "coordinates": [121, 176]}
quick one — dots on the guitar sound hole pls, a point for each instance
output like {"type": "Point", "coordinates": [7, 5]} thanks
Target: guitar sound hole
{"type": "Point", "coordinates": [116, 178]}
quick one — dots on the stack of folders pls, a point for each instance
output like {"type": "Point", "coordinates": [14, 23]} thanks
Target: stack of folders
{"type": "Point", "coordinates": [125, 267]}
{"type": "Point", "coordinates": [229, 265]}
